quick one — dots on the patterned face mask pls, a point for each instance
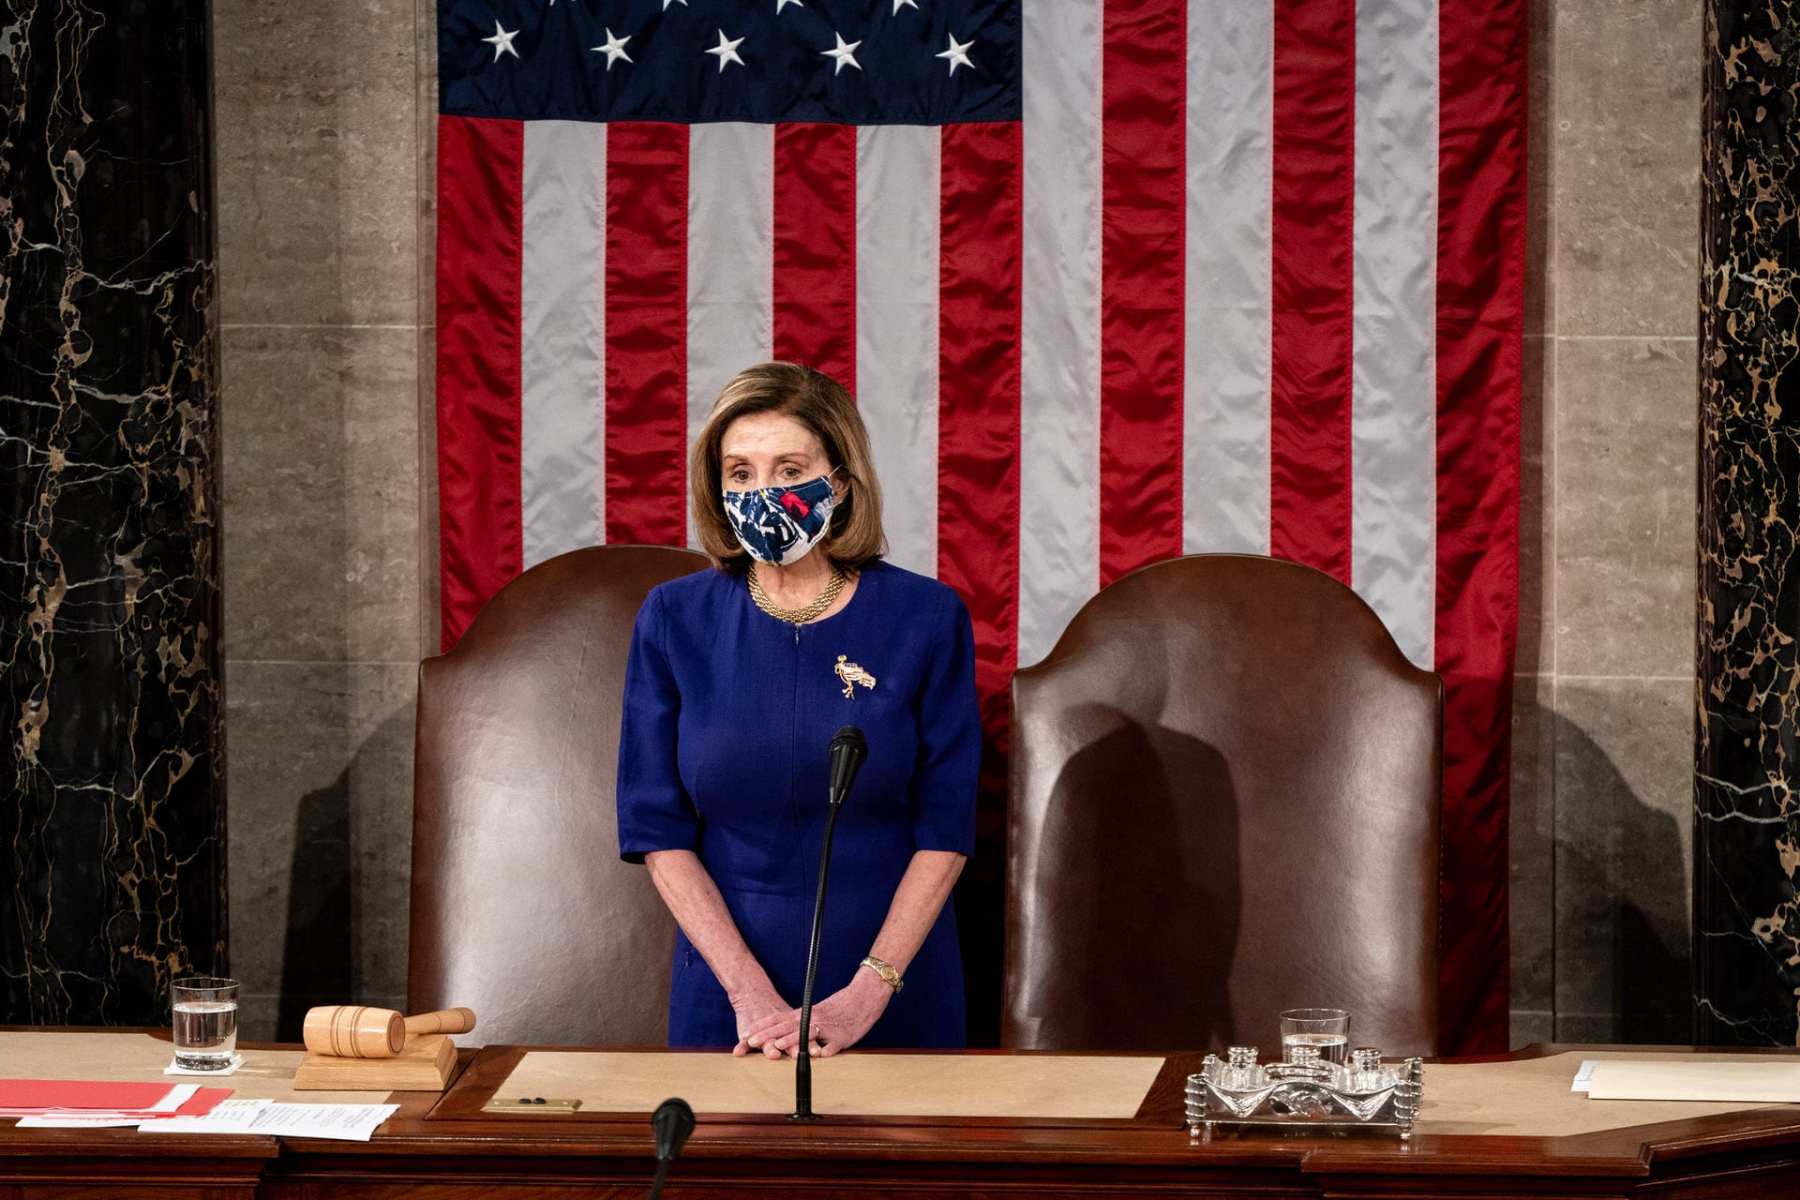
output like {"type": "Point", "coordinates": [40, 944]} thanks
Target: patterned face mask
{"type": "Point", "coordinates": [781, 525]}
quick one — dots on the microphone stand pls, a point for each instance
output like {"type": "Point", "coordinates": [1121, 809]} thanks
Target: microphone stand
{"type": "Point", "coordinates": [803, 1062]}
{"type": "Point", "coordinates": [848, 749]}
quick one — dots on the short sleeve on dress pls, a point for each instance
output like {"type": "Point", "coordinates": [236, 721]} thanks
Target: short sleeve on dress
{"type": "Point", "coordinates": [944, 786]}
{"type": "Point", "coordinates": [655, 811]}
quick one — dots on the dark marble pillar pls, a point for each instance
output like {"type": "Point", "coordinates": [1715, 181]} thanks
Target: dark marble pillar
{"type": "Point", "coordinates": [1746, 810]}
{"type": "Point", "coordinates": [112, 815]}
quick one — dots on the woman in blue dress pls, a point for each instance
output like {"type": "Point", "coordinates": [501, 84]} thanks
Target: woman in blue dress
{"type": "Point", "coordinates": [737, 679]}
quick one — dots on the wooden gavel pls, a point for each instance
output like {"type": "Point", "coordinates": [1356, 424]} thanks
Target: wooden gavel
{"type": "Point", "coordinates": [358, 1031]}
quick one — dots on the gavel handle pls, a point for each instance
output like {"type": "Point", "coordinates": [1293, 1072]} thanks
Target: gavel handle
{"type": "Point", "coordinates": [449, 1020]}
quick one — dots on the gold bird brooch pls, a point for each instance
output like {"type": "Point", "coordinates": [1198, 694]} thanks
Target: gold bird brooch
{"type": "Point", "coordinates": [851, 674]}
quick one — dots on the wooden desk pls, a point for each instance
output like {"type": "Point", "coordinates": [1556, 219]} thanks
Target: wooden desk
{"type": "Point", "coordinates": [443, 1147]}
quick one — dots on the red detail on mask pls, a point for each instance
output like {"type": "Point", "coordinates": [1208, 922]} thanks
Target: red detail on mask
{"type": "Point", "coordinates": [795, 505]}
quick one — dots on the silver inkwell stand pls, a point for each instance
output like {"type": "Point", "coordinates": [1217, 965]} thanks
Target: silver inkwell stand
{"type": "Point", "coordinates": [1304, 1093]}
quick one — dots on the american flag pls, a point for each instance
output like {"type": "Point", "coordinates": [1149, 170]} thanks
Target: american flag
{"type": "Point", "coordinates": [1111, 280]}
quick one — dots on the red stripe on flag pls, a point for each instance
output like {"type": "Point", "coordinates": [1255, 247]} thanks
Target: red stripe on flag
{"type": "Point", "coordinates": [646, 333]}
{"type": "Point", "coordinates": [814, 289]}
{"type": "Point", "coordinates": [979, 257]}
{"type": "Point", "coordinates": [1311, 283]}
{"type": "Point", "coordinates": [1480, 297]}
{"type": "Point", "coordinates": [1143, 163]}
{"type": "Point", "coordinates": [481, 542]}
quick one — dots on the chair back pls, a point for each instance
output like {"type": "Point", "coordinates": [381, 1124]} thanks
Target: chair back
{"type": "Point", "coordinates": [521, 909]}
{"type": "Point", "coordinates": [1223, 804]}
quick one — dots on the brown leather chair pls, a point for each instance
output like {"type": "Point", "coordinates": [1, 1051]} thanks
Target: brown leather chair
{"type": "Point", "coordinates": [521, 908]}
{"type": "Point", "coordinates": [1224, 803]}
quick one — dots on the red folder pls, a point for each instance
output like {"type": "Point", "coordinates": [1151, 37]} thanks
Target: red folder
{"type": "Point", "coordinates": [85, 1097]}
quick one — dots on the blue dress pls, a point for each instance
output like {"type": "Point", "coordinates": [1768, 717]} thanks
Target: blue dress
{"type": "Point", "coordinates": [722, 750]}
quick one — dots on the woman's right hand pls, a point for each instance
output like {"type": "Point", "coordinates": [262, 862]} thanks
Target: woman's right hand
{"type": "Point", "coordinates": [764, 1016]}
{"type": "Point", "coordinates": [693, 898]}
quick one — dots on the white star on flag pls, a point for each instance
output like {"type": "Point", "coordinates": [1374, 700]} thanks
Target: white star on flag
{"type": "Point", "coordinates": [898, 5]}
{"type": "Point", "coordinates": [614, 49]}
{"type": "Point", "coordinates": [781, 4]}
{"type": "Point", "coordinates": [726, 50]}
{"type": "Point", "coordinates": [502, 41]}
{"type": "Point", "coordinates": [958, 54]}
{"type": "Point", "coordinates": [845, 53]}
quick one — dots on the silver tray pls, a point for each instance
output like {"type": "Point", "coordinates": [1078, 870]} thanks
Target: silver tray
{"type": "Point", "coordinates": [1304, 1097]}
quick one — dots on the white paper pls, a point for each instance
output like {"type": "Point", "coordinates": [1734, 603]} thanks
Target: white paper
{"type": "Point", "coordinates": [227, 1116]}
{"type": "Point", "coordinates": [344, 1122]}
{"type": "Point", "coordinates": [268, 1118]}
{"type": "Point", "coordinates": [1745, 1079]}
{"type": "Point", "coordinates": [1584, 1076]}
{"type": "Point", "coordinates": [178, 1095]}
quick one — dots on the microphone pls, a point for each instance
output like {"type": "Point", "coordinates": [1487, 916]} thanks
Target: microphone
{"type": "Point", "coordinates": [673, 1121]}
{"type": "Point", "coordinates": [848, 750]}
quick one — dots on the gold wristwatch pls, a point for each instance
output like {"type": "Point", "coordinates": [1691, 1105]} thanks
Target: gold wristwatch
{"type": "Point", "coordinates": [886, 970]}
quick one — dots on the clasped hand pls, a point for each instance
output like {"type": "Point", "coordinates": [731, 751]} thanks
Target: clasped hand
{"type": "Point", "coordinates": [839, 1021]}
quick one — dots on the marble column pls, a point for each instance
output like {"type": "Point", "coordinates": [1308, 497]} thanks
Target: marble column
{"type": "Point", "coordinates": [112, 863]}
{"type": "Point", "coordinates": [1746, 811]}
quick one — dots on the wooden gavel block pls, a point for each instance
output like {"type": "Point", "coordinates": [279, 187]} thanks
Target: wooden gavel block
{"type": "Point", "coordinates": [359, 1031]}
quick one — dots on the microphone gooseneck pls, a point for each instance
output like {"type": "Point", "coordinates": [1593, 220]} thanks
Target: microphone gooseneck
{"type": "Point", "coordinates": [673, 1120]}
{"type": "Point", "coordinates": [848, 750]}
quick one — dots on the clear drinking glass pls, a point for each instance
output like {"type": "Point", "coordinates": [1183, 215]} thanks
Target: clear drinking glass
{"type": "Point", "coordinates": [1325, 1029]}
{"type": "Point", "coordinates": [206, 1019]}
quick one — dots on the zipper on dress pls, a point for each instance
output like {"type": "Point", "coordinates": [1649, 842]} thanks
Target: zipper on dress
{"type": "Point", "coordinates": [794, 821]}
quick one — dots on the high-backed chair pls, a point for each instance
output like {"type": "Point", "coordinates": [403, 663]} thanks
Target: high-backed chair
{"type": "Point", "coordinates": [1224, 803]}
{"type": "Point", "coordinates": [521, 908]}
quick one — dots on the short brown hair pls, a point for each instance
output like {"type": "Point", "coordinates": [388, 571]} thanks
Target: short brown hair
{"type": "Point", "coordinates": [820, 403]}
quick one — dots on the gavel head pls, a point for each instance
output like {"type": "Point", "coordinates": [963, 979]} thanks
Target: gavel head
{"type": "Point", "coordinates": [354, 1031]}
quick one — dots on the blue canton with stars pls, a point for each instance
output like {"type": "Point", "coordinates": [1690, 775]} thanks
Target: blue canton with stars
{"type": "Point", "coordinates": [853, 62]}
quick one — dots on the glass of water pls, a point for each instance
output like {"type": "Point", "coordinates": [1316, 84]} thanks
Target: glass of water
{"type": "Point", "coordinates": [206, 1019]}
{"type": "Point", "coordinates": [1325, 1029]}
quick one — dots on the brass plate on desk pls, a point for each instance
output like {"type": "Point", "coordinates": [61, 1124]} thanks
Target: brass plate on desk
{"type": "Point", "coordinates": [542, 1105]}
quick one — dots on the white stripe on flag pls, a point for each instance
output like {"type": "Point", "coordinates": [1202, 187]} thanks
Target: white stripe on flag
{"type": "Point", "coordinates": [1225, 421]}
{"type": "Point", "coordinates": [1394, 390]}
{"type": "Point", "coordinates": [562, 365]}
{"type": "Point", "coordinates": [897, 328]}
{"type": "Point", "coordinates": [1059, 417]}
{"type": "Point", "coordinates": [731, 263]}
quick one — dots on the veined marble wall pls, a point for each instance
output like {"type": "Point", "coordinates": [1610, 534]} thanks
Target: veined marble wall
{"type": "Point", "coordinates": [1746, 815]}
{"type": "Point", "coordinates": [326, 225]}
{"type": "Point", "coordinates": [112, 858]}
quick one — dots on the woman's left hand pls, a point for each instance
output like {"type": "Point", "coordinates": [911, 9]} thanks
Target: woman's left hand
{"type": "Point", "coordinates": [845, 1017]}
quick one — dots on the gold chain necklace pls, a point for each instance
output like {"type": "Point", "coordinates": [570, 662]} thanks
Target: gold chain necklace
{"type": "Point", "coordinates": [805, 613]}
